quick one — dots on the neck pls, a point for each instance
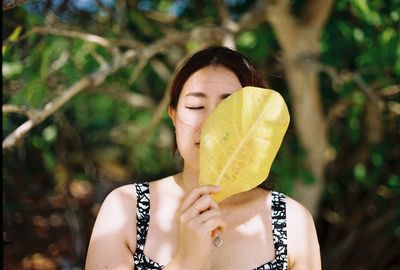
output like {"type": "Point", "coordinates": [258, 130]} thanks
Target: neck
{"type": "Point", "coordinates": [188, 179]}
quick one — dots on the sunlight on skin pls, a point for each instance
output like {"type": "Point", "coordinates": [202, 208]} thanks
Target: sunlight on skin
{"type": "Point", "coordinates": [161, 216]}
{"type": "Point", "coordinates": [163, 253]}
{"type": "Point", "coordinates": [119, 220]}
{"type": "Point", "coordinates": [164, 215]}
{"type": "Point", "coordinates": [164, 249]}
{"type": "Point", "coordinates": [107, 231]}
{"type": "Point", "coordinates": [257, 227]}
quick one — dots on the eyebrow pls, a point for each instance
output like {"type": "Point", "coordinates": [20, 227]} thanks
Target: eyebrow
{"type": "Point", "coordinates": [202, 95]}
{"type": "Point", "coordinates": [196, 94]}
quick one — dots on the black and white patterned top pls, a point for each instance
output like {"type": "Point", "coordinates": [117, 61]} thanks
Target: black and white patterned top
{"type": "Point", "coordinates": [278, 216]}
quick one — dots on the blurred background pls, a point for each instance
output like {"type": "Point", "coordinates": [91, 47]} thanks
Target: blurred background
{"type": "Point", "coordinates": [84, 111]}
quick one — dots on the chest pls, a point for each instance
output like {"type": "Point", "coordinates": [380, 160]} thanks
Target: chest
{"type": "Point", "coordinates": [246, 246]}
{"type": "Point", "coordinates": [247, 240]}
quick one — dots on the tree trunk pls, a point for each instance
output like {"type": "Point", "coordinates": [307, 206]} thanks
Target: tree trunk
{"type": "Point", "coordinates": [299, 39]}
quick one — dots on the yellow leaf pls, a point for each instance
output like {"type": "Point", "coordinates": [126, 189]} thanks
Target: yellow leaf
{"type": "Point", "coordinates": [12, 38]}
{"type": "Point", "coordinates": [15, 34]}
{"type": "Point", "coordinates": [240, 139]}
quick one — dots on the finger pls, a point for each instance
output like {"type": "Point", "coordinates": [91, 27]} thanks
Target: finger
{"type": "Point", "coordinates": [212, 224]}
{"type": "Point", "coordinates": [208, 224]}
{"type": "Point", "coordinates": [216, 232]}
{"type": "Point", "coordinates": [205, 216]}
{"type": "Point", "coordinates": [196, 193]}
{"type": "Point", "coordinates": [203, 204]}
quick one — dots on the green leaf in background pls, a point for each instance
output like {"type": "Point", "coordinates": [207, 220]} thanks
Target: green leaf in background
{"type": "Point", "coordinates": [360, 172]}
{"type": "Point", "coordinates": [394, 183]}
{"type": "Point", "coordinates": [366, 12]}
{"type": "Point", "coordinates": [31, 95]}
{"type": "Point", "coordinates": [247, 39]}
{"type": "Point", "coordinates": [49, 55]}
{"type": "Point", "coordinates": [10, 70]}
{"type": "Point", "coordinates": [12, 38]}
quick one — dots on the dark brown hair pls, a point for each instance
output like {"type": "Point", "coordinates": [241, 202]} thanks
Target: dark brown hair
{"type": "Point", "coordinates": [247, 74]}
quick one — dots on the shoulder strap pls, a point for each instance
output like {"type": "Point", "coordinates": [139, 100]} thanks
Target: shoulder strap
{"type": "Point", "coordinates": [279, 229]}
{"type": "Point", "coordinates": [142, 214]}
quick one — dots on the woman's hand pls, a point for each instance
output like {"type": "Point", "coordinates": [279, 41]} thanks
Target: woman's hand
{"type": "Point", "coordinates": [198, 221]}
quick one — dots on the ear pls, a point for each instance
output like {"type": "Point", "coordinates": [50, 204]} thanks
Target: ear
{"type": "Point", "coordinates": [172, 114]}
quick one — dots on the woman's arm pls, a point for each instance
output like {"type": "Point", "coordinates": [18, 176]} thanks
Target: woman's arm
{"type": "Point", "coordinates": [113, 239]}
{"type": "Point", "coordinates": [303, 246]}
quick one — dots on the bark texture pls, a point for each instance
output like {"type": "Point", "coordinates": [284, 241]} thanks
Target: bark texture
{"type": "Point", "coordinates": [299, 39]}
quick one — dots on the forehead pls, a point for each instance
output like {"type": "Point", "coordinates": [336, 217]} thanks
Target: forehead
{"type": "Point", "coordinates": [212, 79]}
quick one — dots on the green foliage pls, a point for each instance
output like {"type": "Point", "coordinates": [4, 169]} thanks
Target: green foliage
{"type": "Point", "coordinates": [103, 140]}
{"type": "Point", "coordinates": [258, 44]}
{"type": "Point", "coordinates": [12, 38]}
{"type": "Point", "coordinates": [372, 38]}
{"type": "Point", "coordinates": [11, 70]}
{"type": "Point", "coordinates": [394, 183]}
{"type": "Point", "coordinates": [289, 166]}
{"type": "Point", "coordinates": [368, 11]}
{"type": "Point", "coordinates": [33, 94]}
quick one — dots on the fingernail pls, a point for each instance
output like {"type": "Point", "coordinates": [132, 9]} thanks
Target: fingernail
{"type": "Point", "coordinates": [215, 233]}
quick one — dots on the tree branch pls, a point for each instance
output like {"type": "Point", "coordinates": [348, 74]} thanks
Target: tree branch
{"type": "Point", "coordinates": [73, 34]}
{"type": "Point", "coordinates": [394, 107]}
{"type": "Point", "coordinates": [59, 63]}
{"type": "Point", "coordinates": [12, 4]}
{"type": "Point", "coordinates": [104, 71]}
{"type": "Point", "coordinates": [50, 108]}
{"type": "Point", "coordinates": [160, 17]}
{"type": "Point", "coordinates": [390, 90]}
{"type": "Point", "coordinates": [9, 108]}
{"type": "Point", "coordinates": [87, 81]}
{"type": "Point", "coordinates": [337, 110]}
{"type": "Point", "coordinates": [107, 43]}
{"type": "Point", "coordinates": [224, 14]}
{"type": "Point", "coordinates": [316, 13]}
{"type": "Point", "coordinates": [286, 26]}
{"type": "Point", "coordinates": [133, 99]}
{"type": "Point", "coordinates": [161, 69]}
{"type": "Point", "coordinates": [91, 80]}
{"type": "Point", "coordinates": [339, 78]}
{"type": "Point", "coordinates": [222, 10]}
{"type": "Point", "coordinates": [373, 110]}
{"type": "Point", "coordinates": [253, 17]}
{"type": "Point", "coordinates": [138, 68]}
{"type": "Point", "coordinates": [157, 116]}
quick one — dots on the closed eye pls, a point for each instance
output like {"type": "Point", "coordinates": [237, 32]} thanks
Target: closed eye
{"type": "Point", "coordinates": [195, 108]}
{"type": "Point", "coordinates": [224, 96]}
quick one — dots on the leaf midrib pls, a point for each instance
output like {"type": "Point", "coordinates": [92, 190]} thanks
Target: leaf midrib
{"type": "Point", "coordinates": [230, 160]}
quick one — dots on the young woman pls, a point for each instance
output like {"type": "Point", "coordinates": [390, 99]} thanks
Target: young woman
{"type": "Point", "coordinates": [173, 223]}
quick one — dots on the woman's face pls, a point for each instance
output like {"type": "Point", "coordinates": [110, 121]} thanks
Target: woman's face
{"type": "Point", "coordinates": [201, 93]}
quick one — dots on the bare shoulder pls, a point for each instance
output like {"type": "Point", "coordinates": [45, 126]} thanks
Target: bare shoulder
{"type": "Point", "coordinates": [303, 246]}
{"type": "Point", "coordinates": [119, 206]}
{"type": "Point", "coordinates": [119, 202]}
{"type": "Point", "coordinates": [123, 194]}
{"type": "Point", "coordinates": [297, 214]}
{"type": "Point", "coordinates": [113, 238]}
{"type": "Point", "coordinates": [300, 223]}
